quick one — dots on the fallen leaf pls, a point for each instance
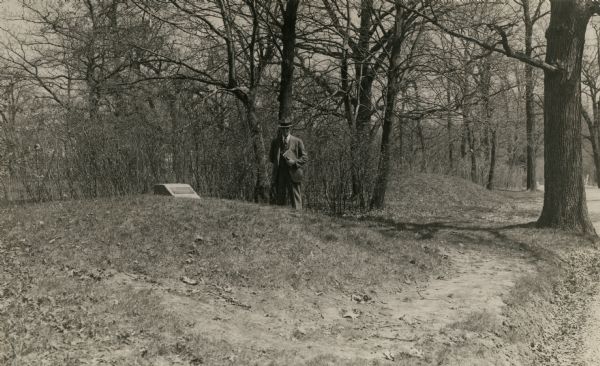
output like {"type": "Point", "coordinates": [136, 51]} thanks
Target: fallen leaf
{"type": "Point", "coordinates": [197, 361]}
{"type": "Point", "coordinates": [388, 355]}
{"type": "Point", "coordinates": [360, 298]}
{"type": "Point", "coordinates": [413, 352]}
{"type": "Point", "coordinates": [95, 274]}
{"type": "Point", "coordinates": [351, 314]}
{"type": "Point", "coordinates": [189, 281]}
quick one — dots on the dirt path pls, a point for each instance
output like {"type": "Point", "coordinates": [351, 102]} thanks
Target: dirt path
{"type": "Point", "coordinates": [307, 326]}
{"type": "Point", "coordinates": [591, 338]}
{"type": "Point", "coordinates": [73, 312]}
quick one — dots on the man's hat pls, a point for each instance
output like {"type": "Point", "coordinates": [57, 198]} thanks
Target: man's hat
{"type": "Point", "coordinates": [286, 123]}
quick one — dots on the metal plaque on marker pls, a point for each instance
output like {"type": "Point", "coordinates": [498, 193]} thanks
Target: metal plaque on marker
{"type": "Point", "coordinates": [175, 190]}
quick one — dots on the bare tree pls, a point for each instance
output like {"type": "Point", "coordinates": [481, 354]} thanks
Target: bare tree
{"type": "Point", "coordinates": [288, 37]}
{"type": "Point", "coordinates": [237, 29]}
{"type": "Point", "coordinates": [564, 195]}
{"type": "Point", "coordinates": [591, 80]}
{"type": "Point", "coordinates": [405, 33]}
{"type": "Point", "coordinates": [530, 17]}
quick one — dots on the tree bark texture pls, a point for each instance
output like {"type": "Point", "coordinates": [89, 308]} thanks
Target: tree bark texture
{"type": "Point", "coordinates": [288, 36]}
{"type": "Point", "coordinates": [449, 131]}
{"type": "Point", "coordinates": [468, 142]}
{"type": "Point", "coordinates": [564, 194]}
{"type": "Point", "coordinates": [422, 146]}
{"type": "Point", "coordinates": [529, 103]}
{"type": "Point", "coordinates": [494, 142]}
{"type": "Point", "coordinates": [365, 77]}
{"type": "Point", "coordinates": [530, 129]}
{"type": "Point", "coordinates": [261, 190]}
{"type": "Point", "coordinates": [363, 69]}
{"type": "Point", "coordinates": [393, 84]}
{"type": "Point", "coordinates": [491, 137]}
{"type": "Point", "coordinates": [472, 152]}
{"type": "Point", "coordinates": [594, 127]}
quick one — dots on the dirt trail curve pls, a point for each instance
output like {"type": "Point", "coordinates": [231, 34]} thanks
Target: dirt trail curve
{"type": "Point", "coordinates": [592, 332]}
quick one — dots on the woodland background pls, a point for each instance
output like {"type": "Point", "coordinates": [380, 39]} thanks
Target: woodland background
{"type": "Point", "coordinates": [109, 97]}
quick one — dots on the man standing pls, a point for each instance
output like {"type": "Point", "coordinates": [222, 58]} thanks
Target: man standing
{"type": "Point", "coordinates": [288, 156]}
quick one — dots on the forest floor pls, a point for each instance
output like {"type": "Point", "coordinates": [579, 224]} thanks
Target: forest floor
{"type": "Point", "coordinates": [591, 335]}
{"type": "Point", "coordinates": [447, 274]}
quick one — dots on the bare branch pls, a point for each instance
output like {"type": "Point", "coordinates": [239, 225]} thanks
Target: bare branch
{"type": "Point", "coordinates": [507, 51]}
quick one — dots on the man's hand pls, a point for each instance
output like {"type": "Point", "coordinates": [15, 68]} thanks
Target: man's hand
{"type": "Point", "coordinates": [292, 163]}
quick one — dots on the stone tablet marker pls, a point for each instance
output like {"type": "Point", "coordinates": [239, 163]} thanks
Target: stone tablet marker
{"type": "Point", "coordinates": [175, 190]}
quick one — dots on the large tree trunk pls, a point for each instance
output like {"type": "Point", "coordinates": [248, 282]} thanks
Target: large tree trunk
{"type": "Point", "coordinates": [449, 130]}
{"type": "Point", "coordinates": [383, 171]}
{"type": "Point", "coordinates": [393, 83]}
{"type": "Point", "coordinates": [490, 183]}
{"type": "Point", "coordinates": [363, 69]}
{"type": "Point", "coordinates": [468, 142]}
{"type": "Point", "coordinates": [594, 127]}
{"type": "Point", "coordinates": [261, 190]}
{"type": "Point", "coordinates": [564, 195]}
{"type": "Point", "coordinates": [463, 141]}
{"type": "Point", "coordinates": [490, 128]}
{"type": "Point", "coordinates": [529, 112]}
{"type": "Point", "coordinates": [472, 153]}
{"type": "Point", "coordinates": [422, 146]}
{"type": "Point", "coordinates": [530, 129]}
{"type": "Point", "coordinates": [288, 36]}
{"type": "Point", "coordinates": [365, 76]}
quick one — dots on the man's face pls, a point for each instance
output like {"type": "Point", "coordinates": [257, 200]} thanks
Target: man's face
{"type": "Point", "coordinates": [284, 131]}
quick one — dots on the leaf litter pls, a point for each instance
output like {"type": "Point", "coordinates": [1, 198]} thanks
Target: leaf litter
{"type": "Point", "coordinates": [99, 323]}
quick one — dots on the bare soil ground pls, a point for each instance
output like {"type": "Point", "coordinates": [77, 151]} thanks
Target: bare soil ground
{"type": "Point", "coordinates": [441, 277]}
{"type": "Point", "coordinates": [591, 334]}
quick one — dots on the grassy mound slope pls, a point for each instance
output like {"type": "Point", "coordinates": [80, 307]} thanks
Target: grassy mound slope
{"type": "Point", "coordinates": [431, 196]}
{"type": "Point", "coordinates": [241, 244]}
{"type": "Point", "coordinates": [59, 303]}
{"type": "Point", "coordinates": [436, 190]}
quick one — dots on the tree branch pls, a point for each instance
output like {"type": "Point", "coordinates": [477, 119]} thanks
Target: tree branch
{"type": "Point", "coordinates": [506, 50]}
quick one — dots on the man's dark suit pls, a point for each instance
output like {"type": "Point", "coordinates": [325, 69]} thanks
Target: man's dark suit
{"type": "Point", "coordinates": [287, 180]}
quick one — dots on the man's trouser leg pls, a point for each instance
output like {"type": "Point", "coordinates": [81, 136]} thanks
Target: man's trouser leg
{"type": "Point", "coordinates": [283, 182]}
{"type": "Point", "coordinates": [296, 195]}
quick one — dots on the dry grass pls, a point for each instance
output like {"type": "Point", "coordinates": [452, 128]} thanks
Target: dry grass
{"type": "Point", "coordinates": [218, 241]}
{"type": "Point", "coordinates": [58, 306]}
{"type": "Point", "coordinates": [439, 190]}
